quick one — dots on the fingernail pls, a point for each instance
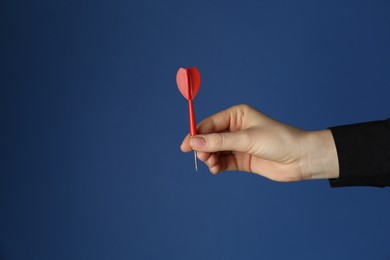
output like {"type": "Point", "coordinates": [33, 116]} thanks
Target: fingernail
{"type": "Point", "coordinates": [197, 141]}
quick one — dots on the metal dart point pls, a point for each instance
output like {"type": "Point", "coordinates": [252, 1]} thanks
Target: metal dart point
{"type": "Point", "coordinates": [196, 161]}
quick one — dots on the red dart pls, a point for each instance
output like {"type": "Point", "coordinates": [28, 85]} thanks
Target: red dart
{"type": "Point", "coordinates": [188, 82]}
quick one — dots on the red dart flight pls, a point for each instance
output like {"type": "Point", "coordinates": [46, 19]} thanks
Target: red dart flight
{"type": "Point", "coordinates": [188, 82]}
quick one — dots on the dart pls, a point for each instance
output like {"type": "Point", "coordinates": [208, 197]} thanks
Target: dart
{"type": "Point", "coordinates": [188, 82]}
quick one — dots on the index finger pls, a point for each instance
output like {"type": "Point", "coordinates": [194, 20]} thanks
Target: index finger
{"type": "Point", "coordinates": [218, 122]}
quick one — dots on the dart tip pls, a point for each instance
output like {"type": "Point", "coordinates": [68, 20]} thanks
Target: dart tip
{"type": "Point", "coordinates": [196, 161]}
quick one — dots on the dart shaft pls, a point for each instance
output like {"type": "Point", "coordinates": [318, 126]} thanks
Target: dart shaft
{"type": "Point", "coordinates": [192, 128]}
{"type": "Point", "coordinates": [192, 118]}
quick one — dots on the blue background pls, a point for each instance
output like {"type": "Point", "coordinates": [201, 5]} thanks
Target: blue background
{"type": "Point", "coordinates": [91, 123]}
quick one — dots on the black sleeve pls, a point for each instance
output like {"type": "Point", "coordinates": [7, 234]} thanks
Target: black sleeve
{"type": "Point", "coordinates": [364, 154]}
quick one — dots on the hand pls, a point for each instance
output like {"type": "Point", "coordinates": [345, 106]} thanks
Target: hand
{"type": "Point", "coordinates": [241, 138]}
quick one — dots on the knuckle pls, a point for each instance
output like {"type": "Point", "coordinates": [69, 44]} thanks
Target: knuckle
{"type": "Point", "coordinates": [244, 107]}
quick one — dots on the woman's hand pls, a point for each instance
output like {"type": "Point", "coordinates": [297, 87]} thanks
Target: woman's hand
{"type": "Point", "coordinates": [241, 138]}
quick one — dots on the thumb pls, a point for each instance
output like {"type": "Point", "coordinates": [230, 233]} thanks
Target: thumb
{"type": "Point", "coordinates": [230, 141]}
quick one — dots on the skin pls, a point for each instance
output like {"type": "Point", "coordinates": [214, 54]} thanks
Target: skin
{"type": "Point", "coordinates": [241, 138]}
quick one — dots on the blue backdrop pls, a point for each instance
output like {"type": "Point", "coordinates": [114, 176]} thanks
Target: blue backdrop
{"type": "Point", "coordinates": [91, 123]}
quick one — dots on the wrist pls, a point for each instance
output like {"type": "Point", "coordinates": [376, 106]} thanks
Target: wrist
{"type": "Point", "coordinates": [320, 160]}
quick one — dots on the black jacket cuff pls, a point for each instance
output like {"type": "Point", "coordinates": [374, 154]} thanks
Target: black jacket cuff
{"type": "Point", "coordinates": [364, 154]}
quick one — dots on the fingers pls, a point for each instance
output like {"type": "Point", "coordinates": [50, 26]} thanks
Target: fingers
{"type": "Point", "coordinates": [218, 163]}
{"type": "Point", "coordinates": [217, 122]}
{"type": "Point", "coordinates": [215, 142]}
{"type": "Point", "coordinates": [203, 156]}
{"type": "Point", "coordinates": [231, 119]}
{"type": "Point", "coordinates": [185, 145]}
{"type": "Point", "coordinates": [240, 141]}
